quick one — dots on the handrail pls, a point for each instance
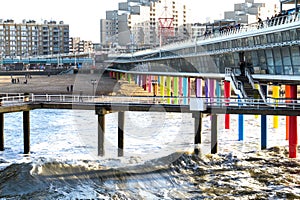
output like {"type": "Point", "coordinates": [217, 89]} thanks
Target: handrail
{"type": "Point", "coordinates": [238, 85]}
{"type": "Point", "coordinates": [294, 104]}
{"type": "Point", "coordinates": [252, 82]}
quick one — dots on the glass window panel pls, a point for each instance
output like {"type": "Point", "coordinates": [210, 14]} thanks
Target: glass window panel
{"type": "Point", "coordinates": [250, 41]}
{"type": "Point", "coordinates": [295, 51]}
{"type": "Point", "coordinates": [278, 61]}
{"type": "Point", "coordinates": [257, 40]}
{"type": "Point", "coordinates": [293, 35]}
{"type": "Point", "coordinates": [263, 39]}
{"type": "Point", "coordinates": [298, 33]}
{"type": "Point", "coordinates": [277, 37]}
{"type": "Point", "coordinates": [296, 69]}
{"type": "Point", "coordinates": [217, 46]}
{"type": "Point", "coordinates": [286, 36]}
{"type": "Point", "coordinates": [244, 42]}
{"type": "Point", "coordinates": [254, 58]}
{"type": "Point", "coordinates": [261, 57]}
{"type": "Point", "coordinates": [288, 70]}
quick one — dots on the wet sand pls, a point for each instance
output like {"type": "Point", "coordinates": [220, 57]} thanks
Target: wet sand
{"type": "Point", "coordinates": [60, 84]}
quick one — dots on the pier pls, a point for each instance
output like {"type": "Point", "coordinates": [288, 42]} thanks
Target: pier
{"type": "Point", "coordinates": [108, 104]}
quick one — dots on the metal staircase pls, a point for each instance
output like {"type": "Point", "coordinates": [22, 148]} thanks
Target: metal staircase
{"type": "Point", "coordinates": [244, 85]}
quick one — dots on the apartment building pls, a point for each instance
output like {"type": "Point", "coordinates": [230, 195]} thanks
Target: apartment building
{"type": "Point", "coordinates": [29, 38]}
{"type": "Point", "coordinates": [144, 23]}
{"type": "Point", "coordinates": [80, 46]}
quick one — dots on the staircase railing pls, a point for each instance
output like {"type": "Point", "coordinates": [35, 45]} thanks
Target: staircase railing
{"type": "Point", "coordinates": [253, 83]}
{"type": "Point", "coordinates": [236, 84]}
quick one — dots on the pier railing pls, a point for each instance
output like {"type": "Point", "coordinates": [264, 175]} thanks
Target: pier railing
{"type": "Point", "coordinates": [212, 102]}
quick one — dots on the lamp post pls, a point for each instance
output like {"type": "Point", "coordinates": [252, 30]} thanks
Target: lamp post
{"type": "Point", "coordinates": [93, 82]}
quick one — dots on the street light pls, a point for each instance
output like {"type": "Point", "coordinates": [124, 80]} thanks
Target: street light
{"type": "Point", "coordinates": [93, 82]}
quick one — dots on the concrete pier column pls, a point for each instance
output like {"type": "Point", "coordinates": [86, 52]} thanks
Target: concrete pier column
{"type": "Point", "coordinates": [240, 125]}
{"type": "Point", "coordinates": [212, 90]}
{"type": "Point", "coordinates": [293, 135]}
{"type": "Point", "coordinates": [121, 128]}
{"type": "Point", "coordinates": [144, 82]}
{"type": "Point", "coordinates": [101, 132]}
{"type": "Point", "coordinates": [150, 84]}
{"type": "Point", "coordinates": [185, 90]}
{"type": "Point", "coordinates": [26, 131]}
{"type": "Point", "coordinates": [198, 87]}
{"type": "Point", "coordinates": [129, 78]}
{"type": "Point", "coordinates": [287, 126]}
{"type": "Point", "coordinates": [180, 89]}
{"type": "Point", "coordinates": [1, 132]}
{"type": "Point", "coordinates": [214, 133]}
{"type": "Point", "coordinates": [189, 87]}
{"type": "Point", "coordinates": [176, 90]}
{"type": "Point", "coordinates": [227, 92]}
{"type": "Point", "coordinates": [276, 89]}
{"type": "Point", "coordinates": [169, 88]}
{"type": "Point", "coordinates": [162, 86]}
{"type": "Point", "coordinates": [264, 127]}
{"type": "Point", "coordinates": [218, 92]}
{"type": "Point", "coordinates": [198, 129]}
{"type": "Point", "coordinates": [206, 88]}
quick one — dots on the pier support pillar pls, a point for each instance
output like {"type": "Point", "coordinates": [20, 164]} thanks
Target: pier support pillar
{"type": "Point", "coordinates": [121, 128]}
{"type": "Point", "coordinates": [241, 125]}
{"type": "Point", "coordinates": [199, 91]}
{"type": "Point", "coordinates": [150, 84]}
{"type": "Point", "coordinates": [176, 90]}
{"type": "Point", "coordinates": [264, 127]}
{"type": "Point", "coordinates": [144, 82]}
{"type": "Point", "coordinates": [185, 89]}
{"type": "Point", "coordinates": [162, 86]}
{"type": "Point", "coordinates": [227, 91]}
{"type": "Point", "coordinates": [287, 95]}
{"type": "Point", "coordinates": [218, 92]}
{"type": "Point", "coordinates": [276, 89]}
{"type": "Point", "coordinates": [26, 131]}
{"type": "Point", "coordinates": [214, 133]}
{"type": "Point", "coordinates": [198, 129]}
{"type": "Point", "coordinates": [169, 88]}
{"type": "Point", "coordinates": [101, 132]}
{"type": "Point", "coordinates": [129, 78]}
{"type": "Point", "coordinates": [212, 89]}
{"type": "Point", "coordinates": [293, 135]}
{"type": "Point", "coordinates": [1, 132]}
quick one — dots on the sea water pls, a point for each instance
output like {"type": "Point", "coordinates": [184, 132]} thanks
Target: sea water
{"type": "Point", "coordinates": [158, 162]}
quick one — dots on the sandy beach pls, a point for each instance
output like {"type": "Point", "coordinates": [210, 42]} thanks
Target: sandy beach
{"type": "Point", "coordinates": [61, 84]}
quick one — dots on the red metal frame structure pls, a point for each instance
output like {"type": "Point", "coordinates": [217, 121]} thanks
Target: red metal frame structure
{"type": "Point", "coordinates": [166, 26]}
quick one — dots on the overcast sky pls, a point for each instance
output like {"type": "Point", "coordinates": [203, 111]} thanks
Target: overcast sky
{"type": "Point", "coordinates": [84, 16]}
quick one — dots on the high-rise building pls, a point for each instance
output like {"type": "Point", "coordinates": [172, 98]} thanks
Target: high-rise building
{"type": "Point", "coordinates": [249, 11]}
{"type": "Point", "coordinates": [31, 39]}
{"type": "Point", "coordinates": [144, 23]}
